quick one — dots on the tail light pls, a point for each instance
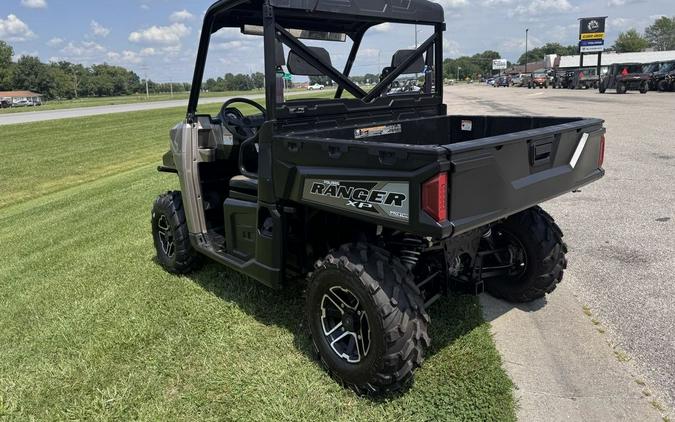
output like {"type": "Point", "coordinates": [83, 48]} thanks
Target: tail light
{"type": "Point", "coordinates": [601, 157]}
{"type": "Point", "coordinates": [435, 197]}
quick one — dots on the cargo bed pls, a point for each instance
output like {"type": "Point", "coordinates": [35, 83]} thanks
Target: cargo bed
{"type": "Point", "coordinates": [498, 165]}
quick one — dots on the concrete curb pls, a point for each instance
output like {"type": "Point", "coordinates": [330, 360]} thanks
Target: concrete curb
{"type": "Point", "coordinates": [562, 367]}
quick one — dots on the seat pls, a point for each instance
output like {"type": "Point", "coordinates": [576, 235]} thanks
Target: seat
{"type": "Point", "coordinates": [245, 184]}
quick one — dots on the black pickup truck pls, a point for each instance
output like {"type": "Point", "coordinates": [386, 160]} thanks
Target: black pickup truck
{"type": "Point", "coordinates": [376, 197]}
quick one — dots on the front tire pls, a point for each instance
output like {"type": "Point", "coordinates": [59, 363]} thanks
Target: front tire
{"type": "Point", "coordinates": [171, 236]}
{"type": "Point", "coordinates": [534, 237]}
{"type": "Point", "coordinates": [621, 88]}
{"type": "Point", "coordinates": [366, 319]}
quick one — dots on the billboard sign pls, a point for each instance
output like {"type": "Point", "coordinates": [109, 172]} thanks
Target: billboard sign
{"type": "Point", "coordinates": [498, 64]}
{"type": "Point", "coordinates": [592, 28]}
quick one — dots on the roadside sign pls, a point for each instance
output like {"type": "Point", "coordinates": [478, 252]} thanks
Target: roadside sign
{"type": "Point", "coordinates": [498, 64]}
{"type": "Point", "coordinates": [592, 28]}
{"type": "Point", "coordinates": [288, 76]}
{"type": "Point", "coordinates": [592, 42]}
{"type": "Point", "coordinates": [596, 36]}
{"type": "Point", "coordinates": [591, 48]}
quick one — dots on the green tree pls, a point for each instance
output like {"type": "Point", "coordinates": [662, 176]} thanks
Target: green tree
{"type": "Point", "coordinates": [630, 41]}
{"type": "Point", "coordinates": [6, 66]}
{"type": "Point", "coordinates": [661, 34]}
{"type": "Point", "coordinates": [537, 54]}
{"type": "Point", "coordinates": [32, 75]}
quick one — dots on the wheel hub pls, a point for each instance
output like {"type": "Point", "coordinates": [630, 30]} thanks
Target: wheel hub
{"type": "Point", "coordinates": [165, 234]}
{"type": "Point", "coordinates": [345, 324]}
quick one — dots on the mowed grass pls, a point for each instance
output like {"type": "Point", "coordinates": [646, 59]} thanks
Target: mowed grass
{"type": "Point", "coordinates": [92, 328]}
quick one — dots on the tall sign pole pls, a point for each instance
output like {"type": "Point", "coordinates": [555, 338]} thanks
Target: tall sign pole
{"type": "Point", "coordinates": [592, 39]}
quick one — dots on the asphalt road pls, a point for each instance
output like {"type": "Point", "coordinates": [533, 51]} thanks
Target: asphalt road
{"type": "Point", "coordinates": [621, 229]}
{"type": "Point", "coordinates": [40, 116]}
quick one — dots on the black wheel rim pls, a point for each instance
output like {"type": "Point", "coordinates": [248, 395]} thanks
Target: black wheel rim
{"type": "Point", "coordinates": [345, 324]}
{"type": "Point", "coordinates": [165, 235]}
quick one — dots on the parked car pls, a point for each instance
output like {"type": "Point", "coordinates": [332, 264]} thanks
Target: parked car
{"type": "Point", "coordinates": [624, 77]}
{"type": "Point", "coordinates": [5, 104]}
{"type": "Point", "coordinates": [316, 87]}
{"type": "Point", "coordinates": [538, 79]}
{"type": "Point", "coordinates": [503, 81]}
{"type": "Point", "coordinates": [517, 80]}
{"type": "Point", "coordinates": [490, 81]}
{"type": "Point", "coordinates": [21, 103]}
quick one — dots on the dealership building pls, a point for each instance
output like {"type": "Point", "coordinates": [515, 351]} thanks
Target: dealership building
{"type": "Point", "coordinates": [571, 62]}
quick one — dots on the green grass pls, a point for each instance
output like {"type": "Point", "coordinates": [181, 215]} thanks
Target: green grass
{"type": "Point", "coordinates": [92, 328]}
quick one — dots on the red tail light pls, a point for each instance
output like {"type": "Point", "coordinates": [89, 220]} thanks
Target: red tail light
{"type": "Point", "coordinates": [601, 157]}
{"type": "Point", "coordinates": [435, 197]}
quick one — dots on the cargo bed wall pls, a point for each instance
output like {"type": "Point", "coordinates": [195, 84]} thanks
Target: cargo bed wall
{"type": "Point", "coordinates": [494, 177]}
{"type": "Point", "coordinates": [438, 130]}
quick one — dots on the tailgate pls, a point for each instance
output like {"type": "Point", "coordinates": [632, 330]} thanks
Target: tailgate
{"type": "Point", "coordinates": [494, 177]}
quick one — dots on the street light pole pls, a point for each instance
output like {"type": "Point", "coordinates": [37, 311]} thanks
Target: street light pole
{"type": "Point", "coordinates": [526, 56]}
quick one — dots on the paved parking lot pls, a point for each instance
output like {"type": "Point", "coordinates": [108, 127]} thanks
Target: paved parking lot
{"type": "Point", "coordinates": [621, 230]}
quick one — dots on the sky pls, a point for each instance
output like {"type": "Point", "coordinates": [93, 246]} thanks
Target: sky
{"type": "Point", "coordinates": [159, 38]}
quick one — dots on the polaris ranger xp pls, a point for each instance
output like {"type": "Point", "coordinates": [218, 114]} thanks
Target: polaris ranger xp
{"type": "Point", "coordinates": [377, 197]}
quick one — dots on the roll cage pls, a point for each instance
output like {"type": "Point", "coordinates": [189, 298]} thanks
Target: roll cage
{"type": "Point", "coordinates": [352, 18]}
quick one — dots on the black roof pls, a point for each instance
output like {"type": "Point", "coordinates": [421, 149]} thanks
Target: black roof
{"type": "Point", "coordinates": [324, 15]}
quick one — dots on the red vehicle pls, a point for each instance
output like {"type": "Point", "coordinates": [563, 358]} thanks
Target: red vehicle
{"type": "Point", "coordinates": [538, 79]}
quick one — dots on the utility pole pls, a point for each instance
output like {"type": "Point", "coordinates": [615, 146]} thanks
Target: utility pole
{"type": "Point", "coordinates": [171, 87]}
{"type": "Point", "coordinates": [75, 82]}
{"type": "Point", "coordinates": [458, 69]}
{"type": "Point", "coordinates": [526, 56]}
{"type": "Point", "coordinates": [147, 90]}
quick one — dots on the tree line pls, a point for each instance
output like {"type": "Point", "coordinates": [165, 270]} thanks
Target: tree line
{"type": "Point", "coordinates": [660, 36]}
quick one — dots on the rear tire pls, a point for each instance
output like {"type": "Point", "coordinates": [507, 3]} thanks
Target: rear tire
{"type": "Point", "coordinates": [644, 88]}
{"type": "Point", "coordinates": [357, 283]}
{"type": "Point", "coordinates": [662, 86]}
{"type": "Point", "coordinates": [621, 88]}
{"type": "Point", "coordinates": [538, 236]}
{"type": "Point", "coordinates": [171, 236]}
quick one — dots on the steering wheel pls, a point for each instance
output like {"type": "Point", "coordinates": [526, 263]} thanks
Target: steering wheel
{"type": "Point", "coordinates": [236, 122]}
{"type": "Point", "coordinates": [246, 127]}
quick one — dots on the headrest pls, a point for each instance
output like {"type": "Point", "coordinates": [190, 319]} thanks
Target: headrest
{"type": "Point", "coordinates": [297, 66]}
{"type": "Point", "coordinates": [416, 67]}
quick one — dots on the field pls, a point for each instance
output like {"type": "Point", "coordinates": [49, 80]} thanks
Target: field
{"type": "Point", "coordinates": [92, 328]}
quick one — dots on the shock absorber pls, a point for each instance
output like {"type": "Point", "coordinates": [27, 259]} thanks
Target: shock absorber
{"type": "Point", "coordinates": [411, 250]}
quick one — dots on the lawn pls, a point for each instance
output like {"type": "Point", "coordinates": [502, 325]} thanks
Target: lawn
{"type": "Point", "coordinates": [92, 328]}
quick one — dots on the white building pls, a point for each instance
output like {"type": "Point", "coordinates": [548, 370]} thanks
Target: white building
{"type": "Point", "coordinates": [569, 62]}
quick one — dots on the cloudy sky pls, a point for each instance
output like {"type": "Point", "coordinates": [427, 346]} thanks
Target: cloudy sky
{"type": "Point", "coordinates": [160, 36]}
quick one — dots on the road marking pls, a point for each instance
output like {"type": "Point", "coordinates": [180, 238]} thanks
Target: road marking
{"type": "Point", "coordinates": [579, 150]}
{"type": "Point", "coordinates": [534, 95]}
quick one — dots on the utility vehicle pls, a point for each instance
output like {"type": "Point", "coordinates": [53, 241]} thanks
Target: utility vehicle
{"type": "Point", "coordinates": [624, 77]}
{"type": "Point", "coordinates": [538, 79]}
{"type": "Point", "coordinates": [382, 201]}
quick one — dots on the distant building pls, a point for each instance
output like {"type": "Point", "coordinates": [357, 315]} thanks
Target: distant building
{"type": "Point", "coordinates": [571, 62]}
{"type": "Point", "coordinates": [21, 98]}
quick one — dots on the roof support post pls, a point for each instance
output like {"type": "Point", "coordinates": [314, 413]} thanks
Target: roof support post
{"type": "Point", "coordinates": [270, 43]}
